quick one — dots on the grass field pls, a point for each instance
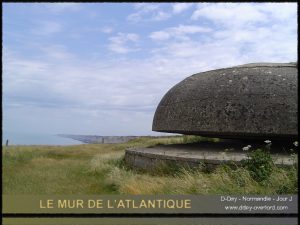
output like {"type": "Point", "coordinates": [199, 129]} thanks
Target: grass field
{"type": "Point", "coordinates": [100, 169]}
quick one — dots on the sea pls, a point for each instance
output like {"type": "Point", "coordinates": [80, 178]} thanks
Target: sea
{"type": "Point", "coordinates": [15, 138]}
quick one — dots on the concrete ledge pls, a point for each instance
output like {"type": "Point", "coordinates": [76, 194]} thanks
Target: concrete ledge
{"type": "Point", "coordinates": [209, 155]}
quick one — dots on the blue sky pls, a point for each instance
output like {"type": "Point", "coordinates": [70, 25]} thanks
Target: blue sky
{"type": "Point", "coordinates": [102, 68]}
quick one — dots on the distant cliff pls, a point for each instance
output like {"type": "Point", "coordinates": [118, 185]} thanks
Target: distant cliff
{"type": "Point", "coordinates": [94, 139]}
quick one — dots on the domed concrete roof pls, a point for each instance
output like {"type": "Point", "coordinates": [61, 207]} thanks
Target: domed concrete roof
{"type": "Point", "coordinates": [257, 100]}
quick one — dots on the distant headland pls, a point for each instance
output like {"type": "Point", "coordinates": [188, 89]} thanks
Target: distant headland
{"type": "Point", "coordinates": [95, 139]}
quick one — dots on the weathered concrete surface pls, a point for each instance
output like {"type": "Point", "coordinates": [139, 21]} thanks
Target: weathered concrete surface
{"type": "Point", "coordinates": [247, 101]}
{"type": "Point", "coordinates": [193, 155]}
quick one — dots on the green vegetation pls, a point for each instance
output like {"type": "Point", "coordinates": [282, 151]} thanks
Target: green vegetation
{"type": "Point", "coordinates": [260, 164]}
{"type": "Point", "coordinates": [100, 169]}
{"type": "Point", "coordinates": [195, 139]}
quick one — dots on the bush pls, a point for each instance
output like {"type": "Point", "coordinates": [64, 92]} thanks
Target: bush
{"type": "Point", "coordinates": [260, 164]}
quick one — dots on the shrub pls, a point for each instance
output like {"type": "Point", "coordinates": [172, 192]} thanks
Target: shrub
{"type": "Point", "coordinates": [260, 164]}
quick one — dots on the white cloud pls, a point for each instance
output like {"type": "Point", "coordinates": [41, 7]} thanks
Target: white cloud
{"type": "Point", "coordinates": [59, 52]}
{"type": "Point", "coordinates": [146, 7]}
{"type": "Point", "coordinates": [148, 12]}
{"type": "Point", "coordinates": [160, 35]}
{"type": "Point", "coordinates": [230, 14]}
{"type": "Point", "coordinates": [245, 14]}
{"type": "Point", "coordinates": [122, 43]}
{"type": "Point", "coordinates": [189, 29]}
{"type": "Point", "coordinates": [107, 30]}
{"type": "Point", "coordinates": [62, 7]}
{"type": "Point", "coordinates": [47, 28]}
{"type": "Point", "coordinates": [155, 11]}
{"type": "Point", "coordinates": [235, 46]}
{"type": "Point", "coordinates": [160, 15]}
{"type": "Point", "coordinates": [260, 32]}
{"type": "Point", "coordinates": [81, 84]}
{"type": "Point", "coordinates": [180, 7]}
{"type": "Point", "coordinates": [27, 67]}
{"type": "Point", "coordinates": [109, 96]}
{"type": "Point", "coordinates": [178, 32]}
{"type": "Point", "coordinates": [132, 37]}
{"type": "Point", "coordinates": [279, 11]}
{"type": "Point", "coordinates": [134, 17]}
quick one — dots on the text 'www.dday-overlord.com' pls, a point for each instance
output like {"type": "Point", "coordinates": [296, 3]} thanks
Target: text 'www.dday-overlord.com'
{"type": "Point", "coordinates": [256, 204]}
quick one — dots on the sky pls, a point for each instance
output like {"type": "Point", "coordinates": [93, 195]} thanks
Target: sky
{"type": "Point", "coordinates": [102, 68]}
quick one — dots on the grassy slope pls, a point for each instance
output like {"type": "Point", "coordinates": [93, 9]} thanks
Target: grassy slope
{"type": "Point", "coordinates": [99, 169]}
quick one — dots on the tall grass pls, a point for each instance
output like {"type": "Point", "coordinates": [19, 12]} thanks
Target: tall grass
{"type": "Point", "coordinates": [100, 169]}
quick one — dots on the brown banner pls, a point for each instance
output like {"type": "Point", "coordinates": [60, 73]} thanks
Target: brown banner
{"type": "Point", "coordinates": [227, 204]}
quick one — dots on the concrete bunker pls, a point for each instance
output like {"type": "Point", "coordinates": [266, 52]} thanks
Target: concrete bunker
{"type": "Point", "coordinates": [242, 105]}
{"type": "Point", "coordinates": [257, 100]}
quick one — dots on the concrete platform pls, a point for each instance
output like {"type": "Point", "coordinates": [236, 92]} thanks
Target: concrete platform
{"type": "Point", "coordinates": [205, 153]}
